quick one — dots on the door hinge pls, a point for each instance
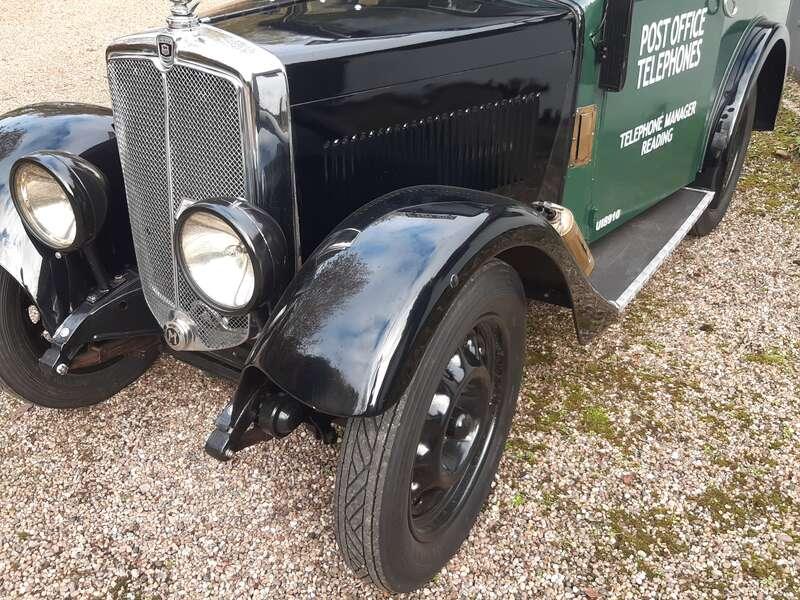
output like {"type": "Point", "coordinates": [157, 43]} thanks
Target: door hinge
{"type": "Point", "coordinates": [583, 136]}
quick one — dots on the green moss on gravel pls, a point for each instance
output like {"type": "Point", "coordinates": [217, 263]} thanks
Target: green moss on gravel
{"type": "Point", "coordinates": [120, 588]}
{"type": "Point", "coordinates": [584, 399]}
{"type": "Point", "coordinates": [722, 507]}
{"type": "Point", "coordinates": [773, 357]}
{"type": "Point", "coordinates": [519, 499]}
{"type": "Point", "coordinates": [762, 568]}
{"type": "Point", "coordinates": [651, 307]}
{"type": "Point", "coordinates": [735, 508]}
{"type": "Point", "coordinates": [743, 416]}
{"type": "Point", "coordinates": [706, 583]}
{"type": "Point", "coordinates": [772, 181]}
{"type": "Point", "coordinates": [769, 571]}
{"type": "Point", "coordinates": [538, 414]}
{"type": "Point", "coordinates": [549, 499]}
{"type": "Point", "coordinates": [521, 449]}
{"type": "Point", "coordinates": [595, 420]}
{"type": "Point", "coordinates": [540, 357]}
{"type": "Point", "coordinates": [557, 498]}
{"type": "Point", "coordinates": [651, 532]}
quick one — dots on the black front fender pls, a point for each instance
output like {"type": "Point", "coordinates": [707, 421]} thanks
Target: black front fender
{"type": "Point", "coordinates": [349, 331]}
{"type": "Point", "coordinates": [55, 284]}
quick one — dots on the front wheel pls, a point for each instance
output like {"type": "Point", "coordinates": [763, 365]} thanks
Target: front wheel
{"type": "Point", "coordinates": [412, 480]}
{"type": "Point", "coordinates": [23, 341]}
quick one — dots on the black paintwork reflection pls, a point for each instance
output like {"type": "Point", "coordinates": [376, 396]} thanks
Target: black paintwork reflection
{"type": "Point", "coordinates": [357, 69]}
{"type": "Point", "coordinates": [375, 169]}
{"type": "Point", "coordinates": [285, 24]}
{"type": "Point", "coordinates": [336, 47]}
{"type": "Point", "coordinates": [274, 184]}
{"type": "Point", "coordinates": [351, 327]}
{"type": "Point", "coordinates": [80, 129]}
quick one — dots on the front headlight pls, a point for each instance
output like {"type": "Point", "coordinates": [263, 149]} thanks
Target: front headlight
{"type": "Point", "coordinates": [45, 206]}
{"type": "Point", "coordinates": [217, 261]}
{"type": "Point", "coordinates": [233, 254]}
{"type": "Point", "coordinates": [61, 198]}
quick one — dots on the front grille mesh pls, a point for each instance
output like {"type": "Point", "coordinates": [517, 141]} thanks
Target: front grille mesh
{"type": "Point", "coordinates": [180, 141]}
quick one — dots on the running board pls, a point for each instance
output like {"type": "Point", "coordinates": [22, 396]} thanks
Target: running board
{"type": "Point", "coordinates": [627, 258]}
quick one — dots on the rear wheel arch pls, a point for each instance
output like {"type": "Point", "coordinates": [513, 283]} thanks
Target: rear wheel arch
{"type": "Point", "coordinates": [770, 84]}
{"type": "Point", "coordinates": [758, 69]}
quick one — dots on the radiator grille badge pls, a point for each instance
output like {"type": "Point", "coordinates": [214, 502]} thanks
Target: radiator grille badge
{"type": "Point", "coordinates": [166, 50]}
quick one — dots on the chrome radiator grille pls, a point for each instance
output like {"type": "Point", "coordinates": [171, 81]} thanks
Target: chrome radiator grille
{"type": "Point", "coordinates": [180, 139]}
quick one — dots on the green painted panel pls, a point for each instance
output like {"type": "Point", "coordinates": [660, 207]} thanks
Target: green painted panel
{"type": "Point", "coordinates": [651, 136]}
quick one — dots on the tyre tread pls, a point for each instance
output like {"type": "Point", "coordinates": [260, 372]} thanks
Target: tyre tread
{"type": "Point", "coordinates": [357, 499]}
{"type": "Point", "coordinates": [362, 473]}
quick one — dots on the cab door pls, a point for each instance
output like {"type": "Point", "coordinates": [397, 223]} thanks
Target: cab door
{"type": "Point", "coordinates": [650, 137]}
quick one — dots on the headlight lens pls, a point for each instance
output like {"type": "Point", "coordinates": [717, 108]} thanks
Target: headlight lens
{"type": "Point", "coordinates": [217, 260]}
{"type": "Point", "coordinates": [45, 206]}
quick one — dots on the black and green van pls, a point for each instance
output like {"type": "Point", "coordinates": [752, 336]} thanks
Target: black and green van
{"type": "Point", "coordinates": [346, 205]}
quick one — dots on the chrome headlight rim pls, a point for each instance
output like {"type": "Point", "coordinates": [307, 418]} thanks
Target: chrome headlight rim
{"type": "Point", "coordinates": [84, 187]}
{"type": "Point", "coordinates": [261, 237]}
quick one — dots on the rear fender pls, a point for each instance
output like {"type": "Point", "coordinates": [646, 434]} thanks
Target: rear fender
{"type": "Point", "coordinates": [58, 285]}
{"type": "Point", "coordinates": [760, 63]}
{"type": "Point", "coordinates": [349, 331]}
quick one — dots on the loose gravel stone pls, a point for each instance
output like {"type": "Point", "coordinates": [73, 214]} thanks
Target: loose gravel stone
{"type": "Point", "coordinates": [660, 462]}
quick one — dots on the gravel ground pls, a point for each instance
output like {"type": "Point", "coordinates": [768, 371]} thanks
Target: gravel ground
{"type": "Point", "coordinates": [660, 462]}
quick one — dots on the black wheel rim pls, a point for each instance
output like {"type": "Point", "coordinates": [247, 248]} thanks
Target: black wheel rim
{"type": "Point", "coordinates": [458, 429]}
{"type": "Point", "coordinates": [732, 164]}
{"type": "Point", "coordinates": [735, 157]}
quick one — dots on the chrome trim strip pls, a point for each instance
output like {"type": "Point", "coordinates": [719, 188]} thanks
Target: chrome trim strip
{"type": "Point", "coordinates": [637, 284]}
{"type": "Point", "coordinates": [298, 258]}
{"type": "Point", "coordinates": [170, 185]}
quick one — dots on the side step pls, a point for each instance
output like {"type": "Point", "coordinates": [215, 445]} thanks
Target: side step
{"type": "Point", "coordinates": [627, 258]}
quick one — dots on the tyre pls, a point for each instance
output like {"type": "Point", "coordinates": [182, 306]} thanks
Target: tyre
{"type": "Point", "coordinates": [411, 481]}
{"type": "Point", "coordinates": [728, 178]}
{"type": "Point", "coordinates": [23, 342]}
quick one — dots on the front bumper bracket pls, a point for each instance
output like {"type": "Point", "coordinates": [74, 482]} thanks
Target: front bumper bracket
{"type": "Point", "coordinates": [120, 316]}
